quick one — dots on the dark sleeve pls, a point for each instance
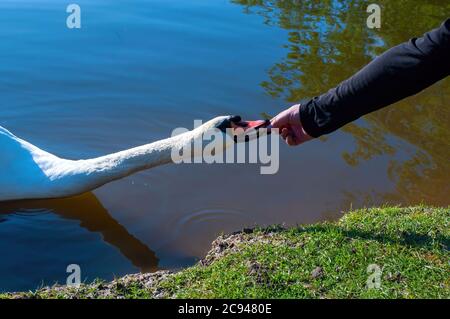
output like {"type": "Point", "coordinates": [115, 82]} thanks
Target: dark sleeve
{"type": "Point", "coordinates": [401, 71]}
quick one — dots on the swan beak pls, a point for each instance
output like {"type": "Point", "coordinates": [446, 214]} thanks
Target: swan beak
{"type": "Point", "coordinates": [245, 130]}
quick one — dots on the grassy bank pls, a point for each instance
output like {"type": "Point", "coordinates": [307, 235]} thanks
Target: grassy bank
{"type": "Point", "coordinates": [326, 260]}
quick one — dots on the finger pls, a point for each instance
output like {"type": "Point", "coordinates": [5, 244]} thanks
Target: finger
{"type": "Point", "coordinates": [291, 141]}
{"type": "Point", "coordinates": [275, 122]}
{"type": "Point", "coordinates": [284, 133]}
{"type": "Point", "coordinates": [279, 121]}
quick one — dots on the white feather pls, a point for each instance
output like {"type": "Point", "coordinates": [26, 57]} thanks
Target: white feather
{"type": "Point", "coordinates": [27, 172]}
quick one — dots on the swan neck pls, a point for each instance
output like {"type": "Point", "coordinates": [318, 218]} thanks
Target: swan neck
{"type": "Point", "coordinates": [119, 165]}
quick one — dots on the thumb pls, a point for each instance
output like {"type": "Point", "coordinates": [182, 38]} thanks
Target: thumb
{"type": "Point", "coordinates": [280, 121]}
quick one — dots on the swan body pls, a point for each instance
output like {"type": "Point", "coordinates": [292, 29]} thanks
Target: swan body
{"type": "Point", "coordinates": [28, 172]}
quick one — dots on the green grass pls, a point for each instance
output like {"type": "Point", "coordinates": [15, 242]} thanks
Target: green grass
{"type": "Point", "coordinates": [326, 260]}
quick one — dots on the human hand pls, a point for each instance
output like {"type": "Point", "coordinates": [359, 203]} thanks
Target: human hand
{"type": "Point", "coordinates": [291, 129]}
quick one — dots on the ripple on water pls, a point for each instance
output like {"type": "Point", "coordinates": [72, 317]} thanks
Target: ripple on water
{"type": "Point", "coordinates": [28, 212]}
{"type": "Point", "coordinates": [189, 231]}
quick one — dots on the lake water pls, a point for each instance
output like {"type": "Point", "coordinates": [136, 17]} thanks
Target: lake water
{"type": "Point", "coordinates": [138, 69]}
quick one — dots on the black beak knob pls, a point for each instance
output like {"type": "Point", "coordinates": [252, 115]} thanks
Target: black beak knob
{"type": "Point", "coordinates": [235, 119]}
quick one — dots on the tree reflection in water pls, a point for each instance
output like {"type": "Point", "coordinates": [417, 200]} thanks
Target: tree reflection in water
{"type": "Point", "coordinates": [327, 42]}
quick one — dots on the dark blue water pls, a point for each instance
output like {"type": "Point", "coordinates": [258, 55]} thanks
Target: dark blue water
{"type": "Point", "coordinates": [138, 69]}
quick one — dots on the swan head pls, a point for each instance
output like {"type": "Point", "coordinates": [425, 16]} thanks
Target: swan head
{"type": "Point", "coordinates": [215, 136]}
{"type": "Point", "coordinates": [235, 130]}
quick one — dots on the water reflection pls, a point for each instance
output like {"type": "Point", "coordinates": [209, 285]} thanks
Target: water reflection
{"type": "Point", "coordinates": [92, 216]}
{"type": "Point", "coordinates": [327, 43]}
{"type": "Point", "coordinates": [90, 93]}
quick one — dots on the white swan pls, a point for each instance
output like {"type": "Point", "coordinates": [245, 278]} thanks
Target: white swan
{"type": "Point", "coordinates": [27, 172]}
